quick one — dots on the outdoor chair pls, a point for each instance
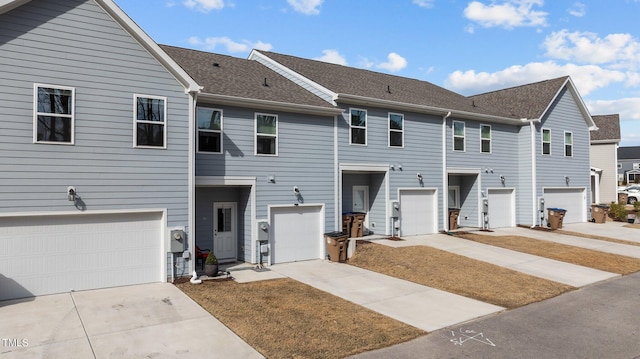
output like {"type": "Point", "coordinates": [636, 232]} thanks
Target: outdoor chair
{"type": "Point", "coordinates": [201, 255]}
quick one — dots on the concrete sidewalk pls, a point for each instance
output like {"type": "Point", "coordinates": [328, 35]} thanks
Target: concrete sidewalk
{"type": "Point", "coordinates": [576, 241]}
{"type": "Point", "coordinates": [149, 320]}
{"type": "Point", "coordinates": [610, 229]}
{"type": "Point", "coordinates": [417, 305]}
{"type": "Point", "coordinates": [571, 274]}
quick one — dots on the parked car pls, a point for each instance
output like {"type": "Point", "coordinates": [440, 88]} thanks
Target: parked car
{"type": "Point", "coordinates": [632, 191]}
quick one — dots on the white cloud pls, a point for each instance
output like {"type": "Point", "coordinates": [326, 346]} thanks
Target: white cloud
{"type": "Point", "coordinates": [332, 56]}
{"type": "Point", "coordinates": [307, 7]}
{"type": "Point", "coordinates": [509, 14]}
{"type": "Point", "coordinates": [204, 5]}
{"type": "Point", "coordinates": [628, 108]}
{"type": "Point", "coordinates": [394, 63]}
{"type": "Point", "coordinates": [578, 9]}
{"type": "Point", "coordinates": [587, 78]}
{"type": "Point", "coordinates": [365, 63]}
{"type": "Point", "coordinates": [424, 3]}
{"type": "Point", "coordinates": [211, 43]}
{"type": "Point", "coordinates": [617, 50]}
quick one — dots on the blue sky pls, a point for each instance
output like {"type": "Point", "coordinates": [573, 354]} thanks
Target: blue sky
{"type": "Point", "coordinates": [466, 46]}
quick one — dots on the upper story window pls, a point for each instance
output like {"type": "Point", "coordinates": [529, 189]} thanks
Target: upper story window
{"type": "Point", "coordinates": [54, 114]}
{"type": "Point", "coordinates": [209, 130]}
{"type": "Point", "coordinates": [150, 121]}
{"type": "Point", "coordinates": [396, 130]}
{"type": "Point", "coordinates": [458, 136]}
{"type": "Point", "coordinates": [358, 127]}
{"type": "Point", "coordinates": [546, 141]}
{"type": "Point", "coordinates": [568, 144]}
{"type": "Point", "coordinates": [485, 138]}
{"type": "Point", "coordinates": [266, 134]}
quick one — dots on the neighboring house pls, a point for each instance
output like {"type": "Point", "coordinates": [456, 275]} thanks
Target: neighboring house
{"type": "Point", "coordinates": [553, 151]}
{"type": "Point", "coordinates": [95, 149]}
{"type": "Point", "coordinates": [604, 159]}
{"type": "Point", "coordinates": [629, 165]}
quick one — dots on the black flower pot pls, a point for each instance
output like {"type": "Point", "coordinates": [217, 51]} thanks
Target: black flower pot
{"type": "Point", "coordinates": [211, 270]}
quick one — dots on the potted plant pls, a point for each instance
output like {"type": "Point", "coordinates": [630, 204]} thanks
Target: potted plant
{"type": "Point", "coordinates": [211, 265]}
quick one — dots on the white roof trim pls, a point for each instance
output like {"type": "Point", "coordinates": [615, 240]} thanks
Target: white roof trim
{"type": "Point", "coordinates": [270, 105]}
{"type": "Point", "coordinates": [581, 106]}
{"type": "Point", "coordinates": [596, 169]}
{"type": "Point", "coordinates": [136, 32]}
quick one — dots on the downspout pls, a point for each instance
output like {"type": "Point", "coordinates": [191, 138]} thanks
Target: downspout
{"type": "Point", "coordinates": [445, 175]}
{"type": "Point", "coordinates": [191, 173]}
{"type": "Point", "coordinates": [534, 181]}
{"type": "Point", "coordinates": [336, 178]}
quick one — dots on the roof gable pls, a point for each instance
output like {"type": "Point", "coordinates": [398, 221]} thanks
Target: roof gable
{"type": "Point", "coordinates": [533, 101]}
{"type": "Point", "coordinates": [135, 32]}
{"type": "Point", "coordinates": [608, 128]}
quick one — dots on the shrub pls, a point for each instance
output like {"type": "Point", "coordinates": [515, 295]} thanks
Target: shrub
{"type": "Point", "coordinates": [636, 206]}
{"type": "Point", "coordinates": [618, 212]}
{"type": "Point", "coordinates": [211, 259]}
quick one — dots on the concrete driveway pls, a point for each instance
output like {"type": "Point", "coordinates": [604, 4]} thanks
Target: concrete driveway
{"type": "Point", "coordinates": [151, 320]}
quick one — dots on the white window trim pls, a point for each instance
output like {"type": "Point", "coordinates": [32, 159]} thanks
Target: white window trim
{"type": "Point", "coordinates": [36, 113]}
{"type": "Point", "coordinates": [542, 142]}
{"type": "Point", "coordinates": [135, 121]}
{"type": "Point", "coordinates": [221, 131]}
{"type": "Point", "coordinates": [255, 134]}
{"type": "Point", "coordinates": [490, 139]}
{"type": "Point", "coordinates": [565, 143]}
{"type": "Point", "coordinates": [453, 136]}
{"type": "Point", "coordinates": [389, 129]}
{"type": "Point", "coordinates": [366, 132]}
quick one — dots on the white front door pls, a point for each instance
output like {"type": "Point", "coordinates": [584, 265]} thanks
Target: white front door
{"type": "Point", "coordinates": [224, 231]}
{"type": "Point", "coordinates": [361, 203]}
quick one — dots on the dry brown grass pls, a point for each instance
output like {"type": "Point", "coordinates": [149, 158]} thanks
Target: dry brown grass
{"type": "Point", "coordinates": [457, 274]}
{"type": "Point", "coordinates": [286, 319]}
{"type": "Point", "coordinates": [581, 256]}
{"type": "Point", "coordinates": [601, 238]}
{"type": "Point", "coordinates": [633, 225]}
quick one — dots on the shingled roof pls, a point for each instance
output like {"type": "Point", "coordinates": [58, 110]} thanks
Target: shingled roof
{"type": "Point", "coordinates": [629, 153]}
{"type": "Point", "coordinates": [240, 78]}
{"type": "Point", "coordinates": [527, 101]}
{"type": "Point", "coordinates": [345, 80]}
{"type": "Point", "coordinates": [608, 128]}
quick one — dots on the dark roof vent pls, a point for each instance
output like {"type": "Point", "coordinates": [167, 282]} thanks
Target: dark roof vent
{"type": "Point", "coordinates": [215, 64]}
{"type": "Point", "coordinates": [388, 89]}
{"type": "Point", "coordinates": [265, 84]}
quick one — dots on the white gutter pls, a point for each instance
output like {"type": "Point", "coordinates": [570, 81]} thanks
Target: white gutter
{"type": "Point", "coordinates": [534, 181]}
{"type": "Point", "coordinates": [445, 175]}
{"type": "Point", "coordinates": [362, 100]}
{"type": "Point", "coordinates": [271, 105]}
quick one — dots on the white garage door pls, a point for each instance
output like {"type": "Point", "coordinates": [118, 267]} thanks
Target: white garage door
{"type": "Point", "coordinates": [296, 233]}
{"type": "Point", "coordinates": [571, 199]}
{"type": "Point", "coordinates": [502, 203]}
{"type": "Point", "coordinates": [55, 254]}
{"type": "Point", "coordinates": [418, 212]}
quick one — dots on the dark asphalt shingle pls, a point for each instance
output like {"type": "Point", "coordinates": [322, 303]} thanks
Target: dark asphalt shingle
{"type": "Point", "coordinates": [608, 127]}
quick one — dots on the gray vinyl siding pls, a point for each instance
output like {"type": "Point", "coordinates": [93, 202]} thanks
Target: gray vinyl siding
{"type": "Point", "coordinates": [75, 43]}
{"type": "Point", "coordinates": [305, 159]}
{"type": "Point", "coordinates": [503, 160]}
{"type": "Point", "coordinates": [524, 205]}
{"type": "Point", "coordinates": [564, 116]}
{"type": "Point", "coordinates": [422, 153]}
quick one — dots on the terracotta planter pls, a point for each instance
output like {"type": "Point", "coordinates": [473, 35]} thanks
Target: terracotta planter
{"type": "Point", "coordinates": [211, 270]}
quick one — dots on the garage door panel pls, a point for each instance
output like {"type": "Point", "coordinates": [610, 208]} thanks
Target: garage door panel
{"type": "Point", "coordinates": [296, 233]}
{"type": "Point", "coordinates": [418, 210]}
{"type": "Point", "coordinates": [571, 199]}
{"type": "Point", "coordinates": [501, 207]}
{"type": "Point", "coordinates": [55, 254]}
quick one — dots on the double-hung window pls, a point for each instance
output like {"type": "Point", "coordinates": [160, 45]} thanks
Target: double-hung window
{"type": "Point", "coordinates": [266, 134]}
{"type": "Point", "coordinates": [150, 121]}
{"type": "Point", "coordinates": [546, 141]}
{"type": "Point", "coordinates": [209, 130]}
{"type": "Point", "coordinates": [358, 127]}
{"type": "Point", "coordinates": [568, 144]}
{"type": "Point", "coordinates": [485, 138]}
{"type": "Point", "coordinates": [53, 114]}
{"type": "Point", "coordinates": [396, 130]}
{"type": "Point", "coordinates": [458, 136]}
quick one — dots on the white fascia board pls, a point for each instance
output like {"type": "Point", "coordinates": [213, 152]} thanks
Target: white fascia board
{"type": "Point", "coordinates": [439, 111]}
{"type": "Point", "coordinates": [276, 66]}
{"type": "Point", "coordinates": [147, 42]}
{"type": "Point", "coordinates": [613, 141]}
{"type": "Point", "coordinates": [8, 5]}
{"type": "Point", "coordinates": [270, 105]}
